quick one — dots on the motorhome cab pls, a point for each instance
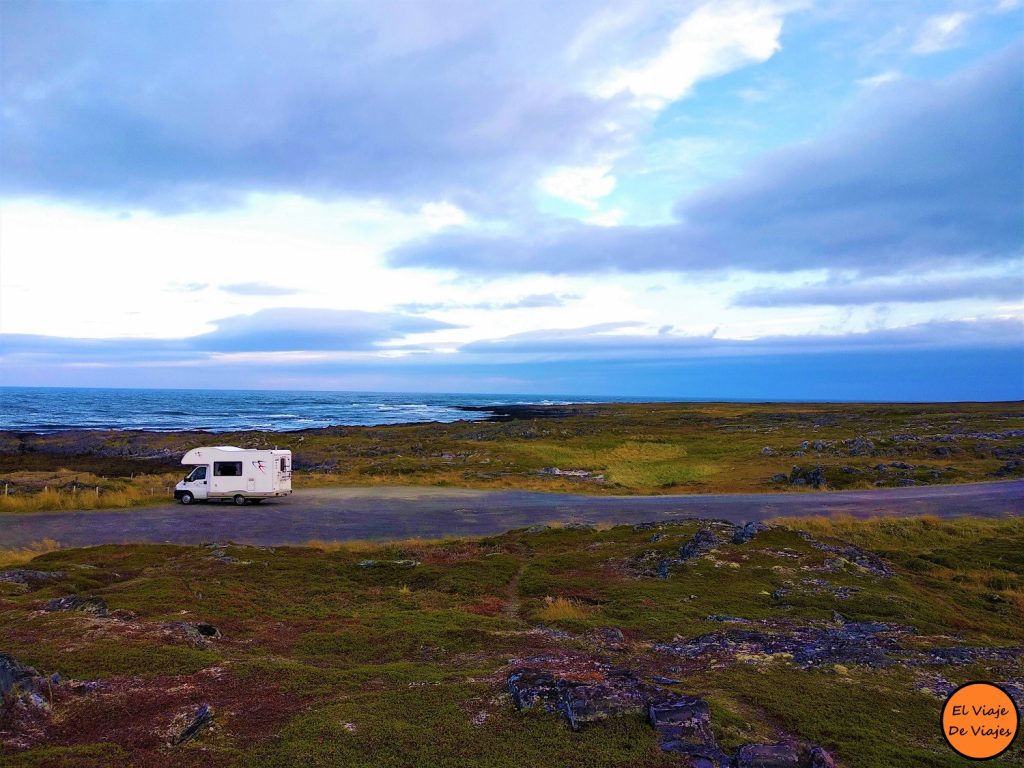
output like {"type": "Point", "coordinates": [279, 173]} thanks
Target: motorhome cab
{"type": "Point", "coordinates": [239, 474]}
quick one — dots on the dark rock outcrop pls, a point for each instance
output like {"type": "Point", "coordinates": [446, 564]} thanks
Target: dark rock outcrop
{"type": "Point", "coordinates": [29, 578]}
{"type": "Point", "coordinates": [387, 563]}
{"type": "Point", "coordinates": [581, 702]}
{"type": "Point", "coordinates": [814, 586]}
{"type": "Point", "coordinates": [782, 755]}
{"type": "Point", "coordinates": [746, 533]}
{"type": "Point", "coordinates": [196, 634]}
{"type": "Point", "coordinates": [866, 643]}
{"type": "Point", "coordinates": [1014, 468]}
{"type": "Point", "coordinates": [97, 606]}
{"type": "Point", "coordinates": [531, 687]}
{"type": "Point", "coordinates": [702, 542]}
{"type": "Point", "coordinates": [862, 558]}
{"type": "Point", "coordinates": [859, 446]}
{"type": "Point", "coordinates": [683, 723]}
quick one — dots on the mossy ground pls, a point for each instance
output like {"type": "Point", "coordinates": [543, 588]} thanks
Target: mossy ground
{"type": "Point", "coordinates": [646, 448]}
{"type": "Point", "coordinates": [324, 662]}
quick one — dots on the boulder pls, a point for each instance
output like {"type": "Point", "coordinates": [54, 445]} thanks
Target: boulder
{"type": "Point", "coordinates": [662, 568]}
{"type": "Point", "coordinates": [13, 674]}
{"type": "Point", "coordinates": [683, 724]}
{"type": "Point", "coordinates": [682, 718]}
{"type": "Point", "coordinates": [202, 719]}
{"type": "Point", "coordinates": [22, 684]}
{"type": "Point", "coordinates": [812, 476]}
{"type": "Point", "coordinates": [817, 757]}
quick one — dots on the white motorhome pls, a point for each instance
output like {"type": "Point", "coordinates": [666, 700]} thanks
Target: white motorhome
{"type": "Point", "coordinates": [239, 474]}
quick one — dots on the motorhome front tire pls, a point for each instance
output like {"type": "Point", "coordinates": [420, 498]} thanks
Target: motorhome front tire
{"type": "Point", "coordinates": [187, 498]}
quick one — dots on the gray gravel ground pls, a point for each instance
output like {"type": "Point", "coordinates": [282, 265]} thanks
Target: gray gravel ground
{"type": "Point", "coordinates": [396, 513]}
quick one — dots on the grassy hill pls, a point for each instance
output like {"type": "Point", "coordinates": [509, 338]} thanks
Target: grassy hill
{"type": "Point", "coordinates": [841, 634]}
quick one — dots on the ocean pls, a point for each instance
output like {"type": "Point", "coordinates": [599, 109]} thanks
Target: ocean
{"type": "Point", "coordinates": [48, 409]}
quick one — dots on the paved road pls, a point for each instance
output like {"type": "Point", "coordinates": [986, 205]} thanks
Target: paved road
{"type": "Point", "coordinates": [395, 513]}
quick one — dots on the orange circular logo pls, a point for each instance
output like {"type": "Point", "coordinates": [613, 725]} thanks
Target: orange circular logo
{"type": "Point", "coordinates": [980, 720]}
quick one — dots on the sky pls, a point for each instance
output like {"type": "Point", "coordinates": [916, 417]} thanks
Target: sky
{"type": "Point", "coordinates": [737, 199]}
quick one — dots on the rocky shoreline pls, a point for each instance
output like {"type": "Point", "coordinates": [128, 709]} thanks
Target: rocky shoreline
{"type": "Point", "coordinates": [502, 413]}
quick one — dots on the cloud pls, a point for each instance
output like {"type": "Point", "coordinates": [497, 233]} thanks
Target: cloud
{"type": "Point", "coordinates": [274, 330]}
{"type": "Point", "coordinates": [882, 78]}
{"type": "Point", "coordinates": [169, 106]}
{"type": "Point", "coordinates": [607, 342]}
{"type": "Point", "coordinates": [187, 287]}
{"type": "Point", "coordinates": [175, 107]}
{"type": "Point", "coordinates": [533, 301]}
{"type": "Point", "coordinates": [928, 174]}
{"type": "Point", "coordinates": [258, 289]}
{"type": "Point", "coordinates": [716, 38]}
{"type": "Point", "coordinates": [941, 32]}
{"type": "Point", "coordinates": [269, 330]}
{"type": "Point", "coordinates": [859, 293]}
{"type": "Point", "coordinates": [583, 186]}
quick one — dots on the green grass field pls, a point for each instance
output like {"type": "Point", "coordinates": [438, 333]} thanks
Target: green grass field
{"type": "Point", "coordinates": [325, 660]}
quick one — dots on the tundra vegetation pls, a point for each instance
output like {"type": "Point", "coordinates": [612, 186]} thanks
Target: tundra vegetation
{"type": "Point", "coordinates": [839, 634]}
{"type": "Point", "coordinates": [648, 448]}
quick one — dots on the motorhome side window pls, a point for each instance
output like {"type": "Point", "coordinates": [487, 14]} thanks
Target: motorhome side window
{"type": "Point", "coordinates": [283, 467]}
{"type": "Point", "coordinates": [199, 473]}
{"type": "Point", "coordinates": [227, 469]}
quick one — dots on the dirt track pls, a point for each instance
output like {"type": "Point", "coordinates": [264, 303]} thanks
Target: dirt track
{"type": "Point", "coordinates": [395, 513]}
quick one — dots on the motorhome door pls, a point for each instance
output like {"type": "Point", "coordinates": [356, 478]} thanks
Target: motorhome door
{"type": "Point", "coordinates": [197, 483]}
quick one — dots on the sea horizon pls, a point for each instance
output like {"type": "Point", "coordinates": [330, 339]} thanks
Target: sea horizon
{"type": "Point", "coordinates": [54, 409]}
{"type": "Point", "coordinates": [43, 409]}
